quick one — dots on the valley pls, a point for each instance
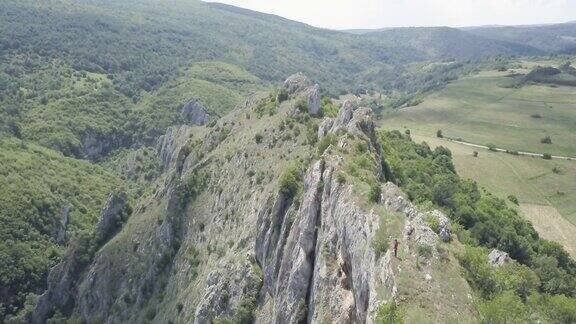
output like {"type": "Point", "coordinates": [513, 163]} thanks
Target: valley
{"type": "Point", "coordinates": [180, 161]}
{"type": "Point", "coordinates": [481, 112]}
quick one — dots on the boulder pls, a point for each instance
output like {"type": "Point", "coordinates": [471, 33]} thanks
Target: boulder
{"type": "Point", "coordinates": [498, 258]}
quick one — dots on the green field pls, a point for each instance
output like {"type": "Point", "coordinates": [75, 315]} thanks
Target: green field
{"type": "Point", "coordinates": [478, 109]}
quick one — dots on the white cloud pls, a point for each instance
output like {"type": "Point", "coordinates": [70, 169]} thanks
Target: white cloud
{"type": "Point", "coordinates": [341, 14]}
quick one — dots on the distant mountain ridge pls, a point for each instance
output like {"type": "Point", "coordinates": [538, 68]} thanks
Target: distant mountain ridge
{"type": "Point", "coordinates": [534, 39]}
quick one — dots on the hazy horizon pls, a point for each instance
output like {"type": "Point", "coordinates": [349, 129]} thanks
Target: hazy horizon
{"type": "Point", "coordinates": [373, 14]}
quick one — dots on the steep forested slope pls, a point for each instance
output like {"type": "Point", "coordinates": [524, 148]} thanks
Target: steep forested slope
{"type": "Point", "coordinates": [73, 74]}
{"type": "Point", "coordinates": [101, 80]}
{"type": "Point", "coordinates": [444, 43]}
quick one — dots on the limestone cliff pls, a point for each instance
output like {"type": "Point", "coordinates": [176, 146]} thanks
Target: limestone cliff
{"type": "Point", "coordinates": [217, 238]}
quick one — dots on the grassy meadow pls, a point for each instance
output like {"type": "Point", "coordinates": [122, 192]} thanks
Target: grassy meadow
{"type": "Point", "coordinates": [478, 110]}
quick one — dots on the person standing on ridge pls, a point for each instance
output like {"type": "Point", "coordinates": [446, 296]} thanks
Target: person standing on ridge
{"type": "Point", "coordinates": [395, 246]}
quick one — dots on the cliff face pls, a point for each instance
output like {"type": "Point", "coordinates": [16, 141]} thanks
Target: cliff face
{"type": "Point", "coordinates": [217, 239]}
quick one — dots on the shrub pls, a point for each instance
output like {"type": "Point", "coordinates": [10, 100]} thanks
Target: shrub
{"type": "Point", "coordinates": [328, 108]}
{"type": "Point", "coordinates": [325, 142]}
{"type": "Point", "coordinates": [389, 313]}
{"type": "Point", "coordinates": [265, 107]}
{"type": "Point", "coordinates": [290, 181]}
{"type": "Point", "coordinates": [491, 147]}
{"type": "Point", "coordinates": [439, 134]}
{"type": "Point", "coordinates": [433, 223]}
{"type": "Point", "coordinates": [312, 133]}
{"type": "Point", "coordinates": [560, 309]}
{"type": "Point", "coordinates": [505, 308]}
{"type": "Point", "coordinates": [151, 313]}
{"type": "Point", "coordinates": [258, 138]}
{"type": "Point", "coordinates": [513, 199]}
{"type": "Point", "coordinates": [536, 116]}
{"type": "Point", "coordinates": [282, 95]}
{"type": "Point", "coordinates": [478, 272]}
{"type": "Point", "coordinates": [194, 183]}
{"type": "Point", "coordinates": [301, 105]}
{"type": "Point", "coordinates": [547, 156]}
{"type": "Point", "coordinates": [375, 192]}
{"type": "Point", "coordinates": [546, 140]}
{"type": "Point", "coordinates": [341, 178]}
{"type": "Point", "coordinates": [425, 251]}
{"type": "Point", "coordinates": [475, 153]}
{"type": "Point", "coordinates": [381, 242]}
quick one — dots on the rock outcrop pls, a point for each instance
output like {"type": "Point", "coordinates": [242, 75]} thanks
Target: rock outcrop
{"type": "Point", "coordinates": [96, 145]}
{"type": "Point", "coordinates": [115, 212]}
{"type": "Point", "coordinates": [417, 227]}
{"type": "Point", "coordinates": [169, 145]}
{"type": "Point", "coordinates": [316, 256]}
{"type": "Point", "coordinates": [217, 238]}
{"type": "Point", "coordinates": [498, 258]}
{"type": "Point", "coordinates": [300, 87]}
{"type": "Point", "coordinates": [296, 83]}
{"type": "Point", "coordinates": [193, 112]}
{"type": "Point", "coordinates": [62, 224]}
{"type": "Point", "coordinates": [63, 278]}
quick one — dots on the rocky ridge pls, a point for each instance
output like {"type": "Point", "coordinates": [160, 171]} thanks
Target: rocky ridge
{"type": "Point", "coordinates": [212, 241]}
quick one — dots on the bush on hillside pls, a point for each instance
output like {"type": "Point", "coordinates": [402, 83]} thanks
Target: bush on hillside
{"type": "Point", "coordinates": [513, 199]}
{"type": "Point", "coordinates": [546, 140]}
{"type": "Point", "coordinates": [301, 105]}
{"type": "Point", "coordinates": [375, 192]}
{"type": "Point", "coordinates": [505, 308]}
{"type": "Point", "coordinates": [291, 181]}
{"type": "Point", "coordinates": [390, 313]}
{"type": "Point", "coordinates": [258, 138]}
{"type": "Point", "coordinates": [487, 219]}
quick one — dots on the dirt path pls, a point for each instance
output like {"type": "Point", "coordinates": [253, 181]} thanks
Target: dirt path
{"type": "Point", "coordinates": [540, 155]}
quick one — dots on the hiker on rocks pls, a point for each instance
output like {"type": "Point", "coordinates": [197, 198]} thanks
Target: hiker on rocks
{"type": "Point", "coordinates": [395, 246]}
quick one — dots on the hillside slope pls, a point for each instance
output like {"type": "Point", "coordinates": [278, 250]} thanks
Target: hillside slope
{"type": "Point", "coordinates": [557, 38]}
{"type": "Point", "coordinates": [301, 229]}
{"type": "Point", "coordinates": [83, 95]}
{"type": "Point", "coordinates": [443, 43]}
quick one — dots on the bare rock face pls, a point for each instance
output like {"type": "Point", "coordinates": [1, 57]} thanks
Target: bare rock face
{"type": "Point", "coordinates": [227, 287]}
{"type": "Point", "coordinates": [498, 258]}
{"type": "Point", "coordinates": [299, 86]}
{"type": "Point", "coordinates": [170, 144]}
{"type": "Point", "coordinates": [296, 83]}
{"type": "Point", "coordinates": [136, 277]}
{"type": "Point", "coordinates": [315, 259]}
{"type": "Point", "coordinates": [193, 112]}
{"type": "Point", "coordinates": [417, 227]}
{"type": "Point", "coordinates": [317, 256]}
{"type": "Point", "coordinates": [63, 278]}
{"type": "Point", "coordinates": [61, 286]}
{"type": "Point", "coordinates": [62, 223]}
{"type": "Point", "coordinates": [114, 213]}
{"type": "Point", "coordinates": [312, 96]}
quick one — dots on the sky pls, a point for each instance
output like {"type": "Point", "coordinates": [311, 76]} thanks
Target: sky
{"type": "Point", "coordinates": [351, 14]}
